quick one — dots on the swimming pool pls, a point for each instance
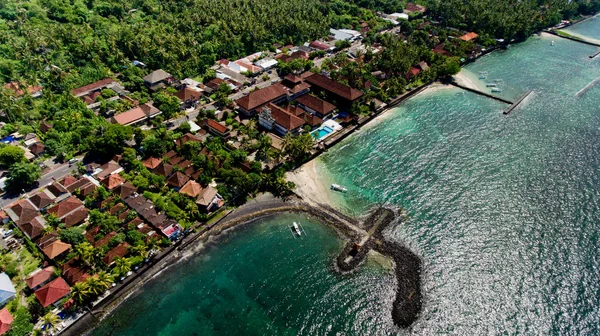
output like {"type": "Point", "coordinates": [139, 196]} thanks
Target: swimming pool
{"type": "Point", "coordinates": [322, 132]}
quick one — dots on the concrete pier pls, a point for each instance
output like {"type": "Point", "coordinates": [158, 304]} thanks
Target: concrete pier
{"type": "Point", "coordinates": [553, 32]}
{"type": "Point", "coordinates": [506, 101]}
{"type": "Point", "coordinates": [587, 87]}
{"type": "Point", "coordinates": [517, 103]}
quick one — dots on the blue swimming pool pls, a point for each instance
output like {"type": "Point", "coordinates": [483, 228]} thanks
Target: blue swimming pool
{"type": "Point", "coordinates": [322, 132]}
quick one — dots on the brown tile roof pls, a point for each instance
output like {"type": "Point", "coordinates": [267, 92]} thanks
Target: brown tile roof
{"type": "Point", "coordinates": [118, 251]}
{"type": "Point", "coordinates": [39, 277]}
{"type": "Point", "coordinates": [136, 114]}
{"type": "Point", "coordinates": [63, 208]}
{"type": "Point", "coordinates": [216, 126]}
{"type": "Point", "coordinates": [107, 169]}
{"type": "Point", "coordinates": [93, 86]}
{"type": "Point", "coordinates": [170, 154]}
{"type": "Point", "coordinates": [293, 78]}
{"type": "Point", "coordinates": [151, 162]}
{"type": "Point", "coordinates": [312, 120]}
{"type": "Point", "coordinates": [187, 138]}
{"type": "Point", "coordinates": [52, 292]}
{"type": "Point", "coordinates": [214, 83]}
{"type": "Point", "coordinates": [164, 169]}
{"type": "Point", "coordinates": [75, 217]}
{"type": "Point", "coordinates": [91, 233]}
{"type": "Point", "coordinates": [175, 160]}
{"type": "Point", "coordinates": [300, 87]}
{"type": "Point", "coordinates": [67, 180]}
{"type": "Point", "coordinates": [47, 239]}
{"type": "Point", "coordinates": [104, 240]}
{"type": "Point", "coordinates": [55, 249]}
{"type": "Point", "coordinates": [260, 97]}
{"type": "Point", "coordinates": [191, 188]}
{"type": "Point", "coordinates": [41, 199]}
{"type": "Point", "coordinates": [411, 8]}
{"type": "Point", "coordinates": [334, 87]}
{"type": "Point", "coordinates": [136, 221]}
{"type": "Point", "coordinates": [33, 228]}
{"type": "Point", "coordinates": [18, 90]}
{"type": "Point", "coordinates": [316, 104]}
{"type": "Point", "coordinates": [74, 271]}
{"type": "Point", "coordinates": [45, 127]}
{"type": "Point", "coordinates": [188, 94]}
{"type": "Point", "coordinates": [285, 119]}
{"type": "Point", "coordinates": [189, 171]}
{"type": "Point", "coordinates": [177, 180]}
{"type": "Point", "coordinates": [113, 181]}
{"type": "Point", "coordinates": [117, 208]}
{"type": "Point", "coordinates": [37, 148]}
{"type": "Point", "coordinates": [87, 189]}
{"type": "Point", "coordinates": [56, 189]}
{"type": "Point", "coordinates": [24, 211]}
{"type": "Point", "coordinates": [125, 190]}
{"type": "Point", "coordinates": [79, 184]}
{"type": "Point", "coordinates": [123, 215]}
{"type": "Point", "coordinates": [319, 45]}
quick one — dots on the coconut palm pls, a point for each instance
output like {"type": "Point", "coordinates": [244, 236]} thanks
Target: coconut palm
{"type": "Point", "coordinates": [85, 252]}
{"type": "Point", "coordinates": [95, 286]}
{"type": "Point", "coordinates": [105, 279]}
{"type": "Point", "coordinates": [80, 292]}
{"type": "Point", "coordinates": [140, 250]}
{"type": "Point", "coordinates": [50, 320]}
{"type": "Point", "coordinates": [122, 266]}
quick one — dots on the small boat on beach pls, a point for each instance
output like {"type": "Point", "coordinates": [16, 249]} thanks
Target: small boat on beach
{"type": "Point", "coordinates": [552, 44]}
{"type": "Point", "coordinates": [296, 229]}
{"type": "Point", "coordinates": [337, 187]}
{"type": "Point", "coordinates": [496, 90]}
{"type": "Point", "coordinates": [491, 85]}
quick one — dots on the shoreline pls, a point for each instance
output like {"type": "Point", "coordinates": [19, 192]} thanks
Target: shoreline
{"type": "Point", "coordinates": [391, 255]}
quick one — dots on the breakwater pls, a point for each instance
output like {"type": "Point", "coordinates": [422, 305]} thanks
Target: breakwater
{"type": "Point", "coordinates": [500, 99]}
{"type": "Point", "coordinates": [572, 38]}
{"type": "Point", "coordinates": [518, 102]}
{"type": "Point", "coordinates": [587, 87]}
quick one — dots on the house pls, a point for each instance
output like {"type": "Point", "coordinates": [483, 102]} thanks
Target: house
{"type": "Point", "coordinates": [469, 36]}
{"type": "Point", "coordinates": [314, 105]}
{"type": "Point", "coordinates": [343, 94]}
{"type": "Point", "coordinates": [55, 249]}
{"type": "Point", "coordinates": [273, 117]}
{"type": "Point", "coordinates": [188, 137]}
{"type": "Point", "coordinates": [27, 218]}
{"type": "Point", "coordinates": [177, 180]}
{"type": "Point", "coordinates": [188, 97]}
{"type": "Point", "coordinates": [111, 167]}
{"type": "Point", "coordinates": [7, 289]}
{"type": "Point", "coordinates": [45, 127]}
{"type": "Point", "coordinates": [74, 271]}
{"type": "Point", "coordinates": [294, 55]}
{"type": "Point", "coordinates": [104, 240]}
{"type": "Point", "coordinates": [52, 292]}
{"type": "Point", "coordinates": [151, 162]}
{"type": "Point", "coordinates": [42, 199]}
{"type": "Point", "coordinates": [125, 190]}
{"type": "Point", "coordinates": [252, 103]}
{"type": "Point", "coordinates": [266, 63]}
{"type": "Point", "coordinates": [158, 79]}
{"type": "Point", "coordinates": [319, 46]}
{"type": "Point", "coordinates": [118, 251]}
{"type": "Point", "coordinates": [209, 199]}
{"type": "Point", "coordinates": [414, 8]}
{"type": "Point", "coordinates": [40, 277]}
{"type": "Point", "coordinates": [112, 181]}
{"type": "Point", "coordinates": [19, 90]}
{"type": "Point", "coordinates": [163, 169]}
{"type": "Point", "coordinates": [71, 211]}
{"type": "Point", "coordinates": [296, 86]}
{"type": "Point", "coordinates": [76, 217]}
{"type": "Point", "coordinates": [215, 128]}
{"type": "Point", "coordinates": [423, 66]}
{"type": "Point", "coordinates": [344, 34]}
{"type": "Point", "coordinates": [412, 72]}
{"type": "Point", "coordinates": [6, 321]}
{"type": "Point", "coordinates": [146, 210]}
{"type": "Point", "coordinates": [136, 115]}
{"type": "Point", "coordinates": [90, 92]}
{"type": "Point", "coordinates": [441, 49]}
{"type": "Point", "coordinates": [191, 188]}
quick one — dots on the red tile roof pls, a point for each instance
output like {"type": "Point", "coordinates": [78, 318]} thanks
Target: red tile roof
{"type": "Point", "coordinates": [334, 87]}
{"type": "Point", "coordinates": [63, 208]}
{"type": "Point", "coordinates": [55, 249]}
{"type": "Point", "coordinates": [33, 228]}
{"type": "Point", "coordinates": [411, 8]}
{"type": "Point", "coordinates": [188, 94]}
{"type": "Point", "coordinates": [151, 162]}
{"type": "Point", "coordinates": [41, 200]}
{"type": "Point", "coordinates": [113, 181]}
{"type": "Point", "coordinates": [319, 45]}
{"type": "Point", "coordinates": [285, 119]}
{"type": "Point", "coordinates": [104, 240]}
{"type": "Point", "coordinates": [316, 104]}
{"type": "Point", "coordinates": [39, 277]}
{"type": "Point", "coordinates": [75, 217]}
{"type": "Point", "coordinates": [187, 138]}
{"type": "Point", "coordinates": [469, 36]}
{"type": "Point", "coordinates": [191, 188]}
{"type": "Point", "coordinates": [136, 114]}
{"type": "Point", "coordinates": [18, 90]}
{"type": "Point", "coordinates": [164, 169]}
{"type": "Point", "coordinates": [93, 86]}
{"type": "Point", "coordinates": [52, 292]}
{"type": "Point", "coordinates": [5, 320]}
{"type": "Point", "coordinates": [260, 97]}
{"type": "Point", "coordinates": [37, 148]}
{"type": "Point", "coordinates": [24, 210]}
{"type": "Point", "coordinates": [216, 126]}
{"type": "Point", "coordinates": [74, 271]}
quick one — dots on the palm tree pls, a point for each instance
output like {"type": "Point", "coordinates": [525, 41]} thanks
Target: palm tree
{"type": "Point", "coordinates": [80, 292]}
{"type": "Point", "coordinates": [85, 252]}
{"type": "Point", "coordinates": [50, 320]}
{"type": "Point", "coordinates": [140, 250]}
{"type": "Point", "coordinates": [95, 286]}
{"type": "Point", "coordinates": [105, 279]}
{"type": "Point", "coordinates": [122, 266]}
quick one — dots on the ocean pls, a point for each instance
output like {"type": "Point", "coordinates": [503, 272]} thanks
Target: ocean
{"type": "Point", "coordinates": [504, 211]}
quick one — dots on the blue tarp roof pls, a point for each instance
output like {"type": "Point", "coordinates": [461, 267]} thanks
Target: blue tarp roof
{"type": "Point", "coordinates": [7, 290]}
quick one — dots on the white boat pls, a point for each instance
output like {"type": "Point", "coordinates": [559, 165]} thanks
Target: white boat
{"type": "Point", "coordinates": [296, 229]}
{"type": "Point", "coordinates": [337, 187]}
{"type": "Point", "coordinates": [491, 85]}
{"type": "Point", "coordinates": [552, 44]}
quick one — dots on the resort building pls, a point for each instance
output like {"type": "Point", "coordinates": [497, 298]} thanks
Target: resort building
{"type": "Point", "coordinates": [296, 86]}
{"type": "Point", "coordinates": [136, 115]}
{"type": "Point", "coordinates": [316, 106]}
{"type": "Point", "coordinates": [52, 292]}
{"type": "Point", "coordinates": [40, 277]}
{"type": "Point", "coordinates": [273, 117]}
{"type": "Point", "coordinates": [342, 94]}
{"type": "Point", "coordinates": [209, 200]}
{"type": "Point", "coordinates": [254, 101]}
{"type": "Point", "coordinates": [157, 80]}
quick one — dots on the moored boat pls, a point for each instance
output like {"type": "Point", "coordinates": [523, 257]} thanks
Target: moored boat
{"type": "Point", "coordinates": [296, 229]}
{"type": "Point", "coordinates": [337, 187]}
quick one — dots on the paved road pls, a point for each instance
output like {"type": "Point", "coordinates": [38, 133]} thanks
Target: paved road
{"type": "Point", "coordinates": [57, 173]}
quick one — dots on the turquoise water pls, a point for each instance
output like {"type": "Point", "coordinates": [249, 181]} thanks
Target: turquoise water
{"type": "Point", "coordinates": [505, 210]}
{"type": "Point", "coordinates": [321, 132]}
{"type": "Point", "coordinates": [261, 280]}
{"type": "Point", "coordinates": [588, 28]}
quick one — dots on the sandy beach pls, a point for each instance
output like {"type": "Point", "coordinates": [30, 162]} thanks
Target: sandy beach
{"type": "Point", "coordinates": [467, 79]}
{"type": "Point", "coordinates": [310, 184]}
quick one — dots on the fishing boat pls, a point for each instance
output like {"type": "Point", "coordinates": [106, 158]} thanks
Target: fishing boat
{"type": "Point", "coordinates": [296, 229]}
{"type": "Point", "coordinates": [496, 90]}
{"type": "Point", "coordinates": [337, 187]}
{"type": "Point", "coordinates": [491, 85]}
{"type": "Point", "coordinates": [552, 44]}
